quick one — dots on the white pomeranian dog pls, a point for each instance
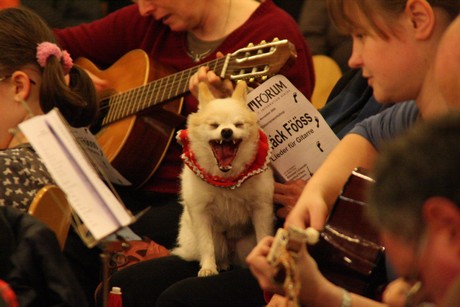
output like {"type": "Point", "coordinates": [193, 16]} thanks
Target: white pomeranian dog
{"type": "Point", "coordinates": [226, 184]}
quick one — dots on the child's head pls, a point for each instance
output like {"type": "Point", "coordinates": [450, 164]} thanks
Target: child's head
{"type": "Point", "coordinates": [394, 41]}
{"type": "Point", "coordinates": [21, 32]}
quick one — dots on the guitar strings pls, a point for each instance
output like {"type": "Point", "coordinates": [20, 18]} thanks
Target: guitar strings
{"type": "Point", "coordinates": [150, 89]}
{"type": "Point", "coordinates": [117, 107]}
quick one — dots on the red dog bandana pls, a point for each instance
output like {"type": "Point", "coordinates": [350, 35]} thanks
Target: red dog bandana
{"type": "Point", "coordinates": [259, 164]}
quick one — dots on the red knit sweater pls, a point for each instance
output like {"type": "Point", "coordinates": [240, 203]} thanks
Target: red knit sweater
{"type": "Point", "coordinates": [105, 41]}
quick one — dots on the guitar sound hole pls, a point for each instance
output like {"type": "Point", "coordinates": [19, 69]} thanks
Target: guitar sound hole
{"type": "Point", "coordinates": [102, 113]}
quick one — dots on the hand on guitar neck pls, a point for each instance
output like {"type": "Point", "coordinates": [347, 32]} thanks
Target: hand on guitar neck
{"type": "Point", "coordinates": [219, 87]}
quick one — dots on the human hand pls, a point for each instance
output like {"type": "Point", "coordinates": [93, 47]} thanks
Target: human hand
{"type": "Point", "coordinates": [101, 85]}
{"type": "Point", "coordinates": [400, 293]}
{"type": "Point", "coordinates": [278, 301]}
{"type": "Point", "coordinates": [309, 211]}
{"type": "Point", "coordinates": [262, 270]}
{"type": "Point", "coordinates": [395, 293]}
{"type": "Point", "coordinates": [311, 281]}
{"type": "Point", "coordinates": [220, 88]}
{"type": "Point", "coordinates": [286, 195]}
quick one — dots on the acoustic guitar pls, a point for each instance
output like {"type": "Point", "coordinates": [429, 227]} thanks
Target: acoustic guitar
{"type": "Point", "coordinates": [51, 207]}
{"type": "Point", "coordinates": [136, 124]}
{"type": "Point", "coordinates": [349, 252]}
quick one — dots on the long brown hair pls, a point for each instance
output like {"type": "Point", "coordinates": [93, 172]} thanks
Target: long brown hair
{"type": "Point", "coordinates": [343, 12]}
{"type": "Point", "coordinates": [21, 30]}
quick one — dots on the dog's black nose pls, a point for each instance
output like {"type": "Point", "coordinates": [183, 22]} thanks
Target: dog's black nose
{"type": "Point", "coordinates": [226, 133]}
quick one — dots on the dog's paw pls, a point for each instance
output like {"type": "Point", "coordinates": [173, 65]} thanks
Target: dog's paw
{"type": "Point", "coordinates": [207, 272]}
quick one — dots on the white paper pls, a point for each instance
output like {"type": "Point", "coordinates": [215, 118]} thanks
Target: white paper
{"type": "Point", "coordinates": [92, 200]}
{"type": "Point", "coordinates": [299, 136]}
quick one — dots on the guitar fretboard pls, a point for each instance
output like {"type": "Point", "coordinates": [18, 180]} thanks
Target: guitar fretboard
{"type": "Point", "coordinates": [133, 101]}
{"type": "Point", "coordinates": [252, 62]}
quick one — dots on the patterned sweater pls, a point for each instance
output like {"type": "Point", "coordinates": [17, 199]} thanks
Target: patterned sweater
{"type": "Point", "coordinates": [22, 176]}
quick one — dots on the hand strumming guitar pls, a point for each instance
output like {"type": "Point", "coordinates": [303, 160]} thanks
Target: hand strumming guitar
{"type": "Point", "coordinates": [100, 84]}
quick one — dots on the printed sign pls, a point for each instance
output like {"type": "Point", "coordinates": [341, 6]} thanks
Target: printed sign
{"type": "Point", "coordinates": [299, 136]}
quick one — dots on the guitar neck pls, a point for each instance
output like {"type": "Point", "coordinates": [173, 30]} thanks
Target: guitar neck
{"type": "Point", "coordinates": [252, 62]}
{"type": "Point", "coordinates": [138, 99]}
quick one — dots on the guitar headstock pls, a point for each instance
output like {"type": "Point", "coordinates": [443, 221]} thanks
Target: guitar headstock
{"type": "Point", "coordinates": [258, 62]}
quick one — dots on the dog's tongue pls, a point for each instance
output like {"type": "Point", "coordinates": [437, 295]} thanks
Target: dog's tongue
{"type": "Point", "coordinates": [225, 154]}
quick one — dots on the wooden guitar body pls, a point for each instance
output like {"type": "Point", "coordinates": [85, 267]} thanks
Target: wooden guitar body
{"type": "Point", "coordinates": [349, 252]}
{"type": "Point", "coordinates": [51, 207]}
{"type": "Point", "coordinates": [136, 145]}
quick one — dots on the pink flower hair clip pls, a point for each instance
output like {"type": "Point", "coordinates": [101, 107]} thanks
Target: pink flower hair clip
{"type": "Point", "coordinates": [47, 49]}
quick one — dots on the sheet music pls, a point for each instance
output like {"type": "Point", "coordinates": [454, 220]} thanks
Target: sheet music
{"type": "Point", "coordinates": [299, 136]}
{"type": "Point", "coordinates": [89, 143]}
{"type": "Point", "coordinates": [92, 200]}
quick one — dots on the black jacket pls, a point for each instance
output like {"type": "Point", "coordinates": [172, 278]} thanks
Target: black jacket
{"type": "Point", "coordinates": [33, 264]}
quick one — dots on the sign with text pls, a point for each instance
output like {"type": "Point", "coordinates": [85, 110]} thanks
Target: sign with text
{"type": "Point", "coordinates": [299, 136]}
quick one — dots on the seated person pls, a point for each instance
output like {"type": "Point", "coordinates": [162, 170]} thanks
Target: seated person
{"type": "Point", "coordinates": [360, 147]}
{"type": "Point", "coordinates": [36, 75]}
{"type": "Point", "coordinates": [418, 227]}
{"type": "Point", "coordinates": [181, 36]}
{"type": "Point", "coordinates": [446, 93]}
{"type": "Point", "coordinates": [195, 36]}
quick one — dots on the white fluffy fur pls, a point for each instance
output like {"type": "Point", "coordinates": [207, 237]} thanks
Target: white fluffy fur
{"type": "Point", "coordinates": [219, 226]}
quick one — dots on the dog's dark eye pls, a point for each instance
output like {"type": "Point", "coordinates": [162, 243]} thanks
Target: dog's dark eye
{"type": "Point", "coordinates": [214, 125]}
{"type": "Point", "coordinates": [239, 125]}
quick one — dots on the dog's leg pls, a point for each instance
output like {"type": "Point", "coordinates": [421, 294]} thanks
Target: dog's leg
{"type": "Point", "coordinates": [186, 240]}
{"type": "Point", "coordinates": [204, 238]}
{"type": "Point", "coordinates": [221, 246]}
{"type": "Point", "coordinates": [262, 219]}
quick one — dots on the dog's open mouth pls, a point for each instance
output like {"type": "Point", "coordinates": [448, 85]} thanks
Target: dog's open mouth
{"type": "Point", "coordinates": [225, 152]}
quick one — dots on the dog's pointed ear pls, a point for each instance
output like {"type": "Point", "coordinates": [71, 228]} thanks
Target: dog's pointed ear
{"type": "Point", "coordinates": [241, 91]}
{"type": "Point", "coordinates": [204, 94]}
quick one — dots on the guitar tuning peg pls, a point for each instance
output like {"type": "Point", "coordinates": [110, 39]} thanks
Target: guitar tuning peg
{"type": "Point", "coordinates": [264, 78]}
{"type": "Point", "coordinates": [250, 45]}
{"type": "Point", "coordinates": [262, 42]}
{"type": "Point", "coordinates": [251, 80]}
{"type": "Point", "coordinates": [276, 39]}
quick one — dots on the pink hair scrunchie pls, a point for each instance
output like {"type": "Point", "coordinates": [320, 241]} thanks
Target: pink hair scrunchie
{"type": "Point", "coordinates": [46, 49]}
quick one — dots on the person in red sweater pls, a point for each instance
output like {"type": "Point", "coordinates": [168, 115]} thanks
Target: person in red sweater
{"type": "Point", "coordinates": [179, 35]}
{"type": "Point", "coordinates": [9, 3]}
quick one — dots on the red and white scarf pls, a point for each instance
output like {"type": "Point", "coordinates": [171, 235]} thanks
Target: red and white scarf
{"type": "Point", "coordinates": [259, 164]}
